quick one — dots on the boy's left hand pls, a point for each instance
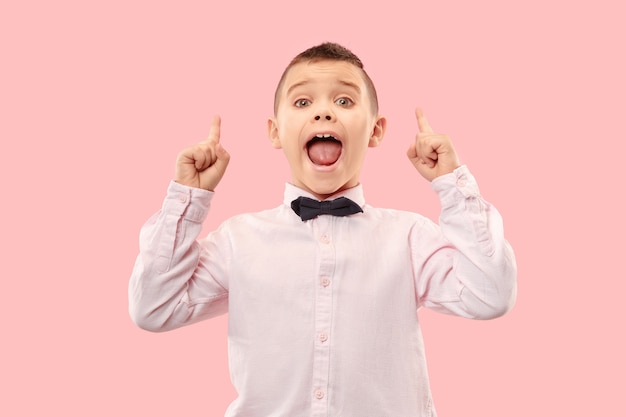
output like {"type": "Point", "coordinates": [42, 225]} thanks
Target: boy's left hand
{"type": "Point", "coordinates": [432, 153]}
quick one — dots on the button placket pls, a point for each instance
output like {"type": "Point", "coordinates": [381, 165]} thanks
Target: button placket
{"type": "Point", "coordinates": [323, 314]}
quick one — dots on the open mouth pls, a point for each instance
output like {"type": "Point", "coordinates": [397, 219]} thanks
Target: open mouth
{"type": "Point", "coordinates": [324, 149]}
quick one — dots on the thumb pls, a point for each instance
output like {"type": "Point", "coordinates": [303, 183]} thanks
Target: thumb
{"type": "Point", "coordinates": [223, 158]}
{"type": "Point", "coordinates": [412, 151]}
{"type": "Point", "coordinates": [213, 175]}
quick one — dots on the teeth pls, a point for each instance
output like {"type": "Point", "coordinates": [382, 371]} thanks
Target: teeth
{"type": "Point", "coordinates": [324, 135]}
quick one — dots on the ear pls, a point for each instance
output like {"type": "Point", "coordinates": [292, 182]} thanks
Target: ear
{"type": "Point", "coordinates": [272, 133]}
{"type": "Point", "coordinates": [378, 132]}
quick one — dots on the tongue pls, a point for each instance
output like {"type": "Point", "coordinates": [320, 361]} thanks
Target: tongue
{"type": "Point", "coordinates": [325, 152]}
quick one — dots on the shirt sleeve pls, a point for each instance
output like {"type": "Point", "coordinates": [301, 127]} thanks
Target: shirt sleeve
{"type": "Point", "coordinates": [177, 281]}
{"type": "Point", "coordinates": [464, 266]}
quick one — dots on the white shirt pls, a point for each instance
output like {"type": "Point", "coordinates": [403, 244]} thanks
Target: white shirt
{"type": "Point", "coordinates": [323, 313]}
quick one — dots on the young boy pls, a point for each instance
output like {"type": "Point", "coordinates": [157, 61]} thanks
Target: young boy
{"type": "Point", "coordinates": [323, 297]}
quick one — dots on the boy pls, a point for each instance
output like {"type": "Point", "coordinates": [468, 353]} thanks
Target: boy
{"type": "Point", "coordinates": [323, 297]}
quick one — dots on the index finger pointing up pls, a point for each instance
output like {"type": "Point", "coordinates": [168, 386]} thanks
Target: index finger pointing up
{"type": "Point", "coordinates": [214, 132]}
{"type": "Point", "coordinates": [422, 123]}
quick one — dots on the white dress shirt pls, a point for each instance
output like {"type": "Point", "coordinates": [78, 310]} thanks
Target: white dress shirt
{"type": "Point", "coordinates": [323, 313]}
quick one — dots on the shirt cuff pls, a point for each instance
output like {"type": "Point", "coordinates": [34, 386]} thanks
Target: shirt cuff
{"type": "Point", "coordinates": [187, 202]}
{"type": "Point", "coordinates": [457, 185]}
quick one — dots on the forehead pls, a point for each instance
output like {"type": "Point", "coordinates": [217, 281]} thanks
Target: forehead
{"type": "Point", "coordinates": [324, 72]}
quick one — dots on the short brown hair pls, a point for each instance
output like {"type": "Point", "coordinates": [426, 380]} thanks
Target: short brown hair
{"type": "Point", "coordinates": [332, 52]}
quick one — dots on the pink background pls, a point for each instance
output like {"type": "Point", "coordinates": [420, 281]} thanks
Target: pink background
{"type": "Point", "coordinates": [97, 98]}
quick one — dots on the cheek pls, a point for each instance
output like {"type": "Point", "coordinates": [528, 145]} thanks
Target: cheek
{"type": "Point", "coordinates": [292, 151]}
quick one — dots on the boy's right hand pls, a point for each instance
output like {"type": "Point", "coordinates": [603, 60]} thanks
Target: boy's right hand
{"type": "Point", "coordinates": [203, 165]}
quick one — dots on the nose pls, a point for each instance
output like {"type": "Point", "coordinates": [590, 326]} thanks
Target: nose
{"type": "Point", "coordinates": [323, 112]}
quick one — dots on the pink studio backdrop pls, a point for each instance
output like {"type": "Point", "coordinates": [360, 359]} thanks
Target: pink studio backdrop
{"type": "Point", "coordinates": [97, 98]}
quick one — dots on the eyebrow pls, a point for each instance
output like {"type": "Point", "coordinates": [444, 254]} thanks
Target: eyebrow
{"type": "Point", "coordinates": [342, 82]}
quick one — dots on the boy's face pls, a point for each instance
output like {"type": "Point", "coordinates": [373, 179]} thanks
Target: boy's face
{"type": "Point", "coordinates": [324, 123]}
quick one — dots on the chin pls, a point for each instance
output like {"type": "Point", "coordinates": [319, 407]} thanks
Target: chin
{"type": "Point", "coordinates": [326, 190]}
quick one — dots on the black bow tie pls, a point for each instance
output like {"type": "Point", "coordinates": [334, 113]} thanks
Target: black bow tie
{"type": "Point", "coordinates": [308, 209]}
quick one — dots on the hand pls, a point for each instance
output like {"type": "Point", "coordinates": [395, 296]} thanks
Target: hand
{"type": "Point", "coordinates": [203, 165]}
{"type": "Point", "coordinates": [432, 153]}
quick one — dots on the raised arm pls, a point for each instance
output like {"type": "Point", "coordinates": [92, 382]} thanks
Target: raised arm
{"type": "Point", "coordinates": [463, 266]}
{"type": "Point", "coordinates": [175, 280]}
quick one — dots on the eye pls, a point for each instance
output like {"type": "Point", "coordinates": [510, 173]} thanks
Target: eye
{"type": "Point", "coordinates": [302, 102]}
{"type": "Point", "coordinates": [344, 102]}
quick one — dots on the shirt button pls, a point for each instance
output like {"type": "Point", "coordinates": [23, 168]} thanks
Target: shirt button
{"type": "Point", "coordinates": [323, 337]}
{"type": "Point", "coordinates": [324, 239]}
{"type": "Point", "coordinates": [461, 183]}
{"type": "Point", "coordinates": [325, 282]}
{"type": "Point", "coordinates": [319, 394]}
{"type": "Point", "coordinates": [182, 198]}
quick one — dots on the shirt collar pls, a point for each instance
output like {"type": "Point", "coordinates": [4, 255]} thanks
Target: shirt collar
{"type": "Point", "coordinates": [355, 194]}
